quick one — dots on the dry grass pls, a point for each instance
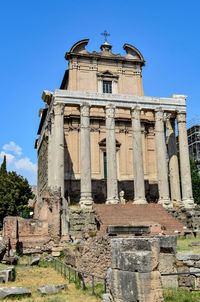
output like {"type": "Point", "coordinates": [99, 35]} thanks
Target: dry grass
{"type": "Point", "coordinates": [183, 245]}
{"type": "Point", "coordinates": [33, 277]}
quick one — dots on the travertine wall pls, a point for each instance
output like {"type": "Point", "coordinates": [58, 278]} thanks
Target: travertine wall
{"type": "Point", "coordinates": [43, 166]}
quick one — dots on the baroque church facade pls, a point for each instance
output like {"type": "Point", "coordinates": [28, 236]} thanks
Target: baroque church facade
{"type": "Point", "coordinates": [101, 140]}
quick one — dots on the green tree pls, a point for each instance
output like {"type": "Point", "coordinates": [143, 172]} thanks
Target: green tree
{"type": "Point", "coordinates": [195, 181]}
{"type": "Point", "coordinates": [14, 193]}
{"type": "Point", "coordinates": [3, 169]}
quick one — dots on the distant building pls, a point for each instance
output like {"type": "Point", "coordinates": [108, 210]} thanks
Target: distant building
{"type": "Point", "coordinates": [193, 133]}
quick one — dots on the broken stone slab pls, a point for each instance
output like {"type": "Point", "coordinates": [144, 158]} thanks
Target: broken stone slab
{"type": "Point", "coordinates": [187, 256]}
{"type": "Point", "coordinates": [13, 291]}
{"type": "Point", "coordinates": [55, 254]}
{"type": "Point", "coordinates": [128, 229]}
{"type": "Point", "coordinates": [51, 289]}
{"type": "Point", "coordinates": [7, 274]}
{"type": "Point", "coordinates": [35, 261]}
{"type": "Point", "coordinates": [106, 298]}
{"type": "Point", "coordinates": [9, 260]}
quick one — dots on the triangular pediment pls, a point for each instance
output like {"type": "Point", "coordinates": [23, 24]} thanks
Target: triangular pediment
{"type": "Point", "coordinates": [107, 73]}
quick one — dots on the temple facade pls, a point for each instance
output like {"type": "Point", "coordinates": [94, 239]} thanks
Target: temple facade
{"type": "Point", "coordinates": [101, 140]}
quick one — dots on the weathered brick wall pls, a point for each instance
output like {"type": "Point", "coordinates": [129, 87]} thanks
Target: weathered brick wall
{"type": "Point", "coordinates": [43, 166]}
{"type": "Point", "coordinates": [96, 255]}
{"type": "Point", "coordinates": [26, 233]}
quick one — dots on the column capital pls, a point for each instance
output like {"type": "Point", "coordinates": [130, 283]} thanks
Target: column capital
{"type": "Point", "coordinates": [170, 123]}
{"type": "Point", "coordinates": [136, 112]}
{"type": "Point", "coordinates": [58, 108]}
{"type": "Point", "coordinates": [181, 117]}
{"type": "Point", "coordinates": [110, 111]}
{"type": "Point", "coordinates": [159, 114]}
{"type": "Point", "coordinates": [85, 109]}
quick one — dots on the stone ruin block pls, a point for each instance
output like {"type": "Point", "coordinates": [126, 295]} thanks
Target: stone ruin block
{"type": "Point", "coordinates": [135, 254]}
{"type": "Point", "coordinates": [168, 249]}
{"type": "Point", "coordinates": [134, 275]}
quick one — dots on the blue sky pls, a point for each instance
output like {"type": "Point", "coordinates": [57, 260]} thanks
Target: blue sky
{"type": "Point", "coordinates": [35, 35]}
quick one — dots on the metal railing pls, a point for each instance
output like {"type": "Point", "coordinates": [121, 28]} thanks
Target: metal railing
{"type": "Point", "coordinates": [74, 275]}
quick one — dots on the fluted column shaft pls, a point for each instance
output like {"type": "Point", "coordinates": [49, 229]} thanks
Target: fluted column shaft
{"type": "Point", "coordinates": [186, 183]}
{"type": "Point", "coordinates": [161, 158]}
{"type": "Point", "coordinates": [85, 157]}
{"type": "Point", "coordinates": [173, 161]}
{"type": "Point", "coordinates": [138, 167]}
{"type": "Point", "coordinates": [112, 186]}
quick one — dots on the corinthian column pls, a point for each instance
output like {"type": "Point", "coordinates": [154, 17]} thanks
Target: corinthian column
{"type": "Point", "coordinates": [51, 151]}
{"type": "Point", "coordinates": [59, 146]}
{"type": "Point", "coordinates": [173, 162]}
{"type": "Point", "coordinates": [161, 158]}
{"type": "Point", "coordinates": [85, 157]}
{"type": "Point", "coordinates": [138, 168]}
{"type": "Point", "coordinates": [112, 187]}
{"type": "Point", "coordinates": [186, 183]}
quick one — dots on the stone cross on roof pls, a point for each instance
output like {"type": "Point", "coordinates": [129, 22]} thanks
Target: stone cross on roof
{"type": "Point", "coordinates": [105, 34]}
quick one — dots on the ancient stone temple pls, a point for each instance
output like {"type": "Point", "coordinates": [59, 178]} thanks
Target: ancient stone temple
{"type": "Point", "coordinates": [101, 140]}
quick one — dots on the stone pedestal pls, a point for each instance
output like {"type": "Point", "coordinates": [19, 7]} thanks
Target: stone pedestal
{"type": "Point", "coordinates": [138, 168]}
{"type": "Point", "coordinates": [186, 183]}
{"type": "Point", "coordinates": [112, 186]}
{"type": "Point", "coordinates": [173, 162]}
{"type": "Point", "coordinates": [161, 158]}
{"type": "Point", "coordinates": [86, 200]}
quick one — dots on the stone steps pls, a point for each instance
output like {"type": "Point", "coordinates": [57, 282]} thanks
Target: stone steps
{"type": "Point", "coordinates": [130, 214]}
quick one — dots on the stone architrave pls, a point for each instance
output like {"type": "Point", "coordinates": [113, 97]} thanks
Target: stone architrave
{"type": "Point", "coordinates": [59, 161]}
{"type": "Point", "coordinates": [138, 168]}
{"type": "Point", "coordinates": [112, 185]}
{"type": "Point", "coordinates": [86, 200]}
{"type": "Point", "coordinates": [186, 183]}
{"type": "Point", "coordinates": [161, 158]}
{"type": "Point", "coordinates": [173, 162]}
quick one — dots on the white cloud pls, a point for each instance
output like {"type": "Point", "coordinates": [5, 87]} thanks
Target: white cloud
{"type": "Point", "coordinates": [13, 148]}
{"type": "Point", "coordinates": [25, 164]}
{"type": "Point", "coordinates": [15, 162]}
{"type": "Point", "coordinates": [9, 157]}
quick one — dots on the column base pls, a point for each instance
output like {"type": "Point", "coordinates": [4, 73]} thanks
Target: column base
{"type": "Point", "coordinates": [140, 201]}
{"type": "Point", "coordinates": [166, 203]}
{"type": "Point", "coordinates": [112, 201]}
{"type": "Point", "coordinates": [188, 204]}
{"type": "Point", "coordinates": [86, 203]}
{"type": "Point", "coordinates": [177, 203]}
